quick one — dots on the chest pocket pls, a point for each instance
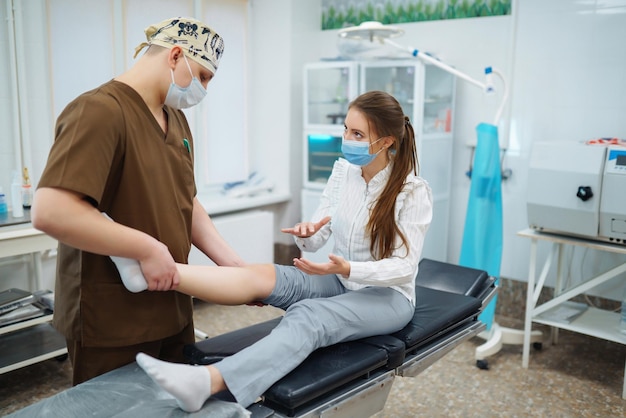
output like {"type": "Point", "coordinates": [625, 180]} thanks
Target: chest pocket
{"type": "Point", "coordinates": [186, 162]}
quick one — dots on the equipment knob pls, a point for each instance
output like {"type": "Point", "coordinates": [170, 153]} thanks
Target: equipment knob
{"type": "Point", "coordinates": [584, 193]}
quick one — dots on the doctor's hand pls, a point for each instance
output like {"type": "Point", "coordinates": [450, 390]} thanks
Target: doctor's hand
{"type": "Point", "coordinates": [306, 229]}
{"type": "Point", "coordinates": [159, 269]}
{"type": "Point", "coordinates": [335, 265]}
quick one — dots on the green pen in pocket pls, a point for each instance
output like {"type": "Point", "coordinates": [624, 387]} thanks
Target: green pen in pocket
{"type": "Point", "coordinates": [186, 144]}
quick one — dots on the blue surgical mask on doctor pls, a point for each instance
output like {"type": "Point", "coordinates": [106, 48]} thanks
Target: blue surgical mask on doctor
{"type": "Point", "coordinates": [358, 152]}
{"type": "Point", "coordinates": [184, 97]}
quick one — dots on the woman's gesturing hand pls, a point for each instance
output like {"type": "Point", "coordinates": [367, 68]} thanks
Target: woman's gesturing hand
{"type": "Point", "coordinates": [306, 229]}
{"type": "Point", "coordinates": [335, 265]}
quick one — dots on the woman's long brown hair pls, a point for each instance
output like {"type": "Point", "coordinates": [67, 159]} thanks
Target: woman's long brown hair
{"type": "Point", "coordinates": [386, 118]}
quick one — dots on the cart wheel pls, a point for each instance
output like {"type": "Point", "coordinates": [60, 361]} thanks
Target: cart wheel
{"type": "Point", "coordinates": [61, 358]}
{"type": "Point", "coordinates": [482, 364]}
{"type": "Point", "coordinates": [537, 346]}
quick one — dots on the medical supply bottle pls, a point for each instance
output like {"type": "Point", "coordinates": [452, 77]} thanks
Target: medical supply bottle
{"type": "Point", "coordinates": [27, 190]}
{"type": "Point", "coordinates": [622, 322]}
{"type": "Point", "coordinates": [4, 210]}
{"type": "Point", "coordinates": [17, 211]}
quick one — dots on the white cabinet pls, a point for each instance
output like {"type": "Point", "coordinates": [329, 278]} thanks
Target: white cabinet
{"type": "Point", "coordinates": [250, 233]}
{"type": "Point", "coordinates": [427, 95]}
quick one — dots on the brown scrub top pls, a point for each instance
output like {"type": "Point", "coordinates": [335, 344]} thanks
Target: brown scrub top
{"type": "Point", "coordinates": [110, 148]}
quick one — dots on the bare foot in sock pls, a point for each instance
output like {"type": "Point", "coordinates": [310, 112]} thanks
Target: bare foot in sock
{"type": "Point", "coordinates": [130, 272]}
{"type": "Point", "coordinates": [190, 385]}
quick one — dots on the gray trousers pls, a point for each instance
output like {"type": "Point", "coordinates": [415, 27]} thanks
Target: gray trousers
{"type": "Point", "coordinates": [319, 312]}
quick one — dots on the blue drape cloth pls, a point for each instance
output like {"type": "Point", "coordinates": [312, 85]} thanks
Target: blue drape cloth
{"type": "Point", "coordinates": [482, 236]}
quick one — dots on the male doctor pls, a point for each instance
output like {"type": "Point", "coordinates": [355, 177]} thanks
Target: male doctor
{"type": "Point", "coordinates": [125, 149]}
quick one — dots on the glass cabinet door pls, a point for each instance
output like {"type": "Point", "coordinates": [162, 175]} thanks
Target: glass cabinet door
{"type": "Point", "coordinates": [438, 100]}
{"type": "Point", "coordinates": [322, 152]}
{"type": "Point", "coordinates": [399, 80]}
{"type": "Point", "coordinates": [430, 91]}
{"type": "Point", "coordinates": [329, 87]}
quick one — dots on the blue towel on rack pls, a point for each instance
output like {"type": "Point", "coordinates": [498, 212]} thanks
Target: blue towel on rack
{"type": "Point", "coordinates": [482, 236]}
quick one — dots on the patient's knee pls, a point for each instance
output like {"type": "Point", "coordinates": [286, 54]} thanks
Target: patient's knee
{"type": "Point", "coordinates": [263, 279]}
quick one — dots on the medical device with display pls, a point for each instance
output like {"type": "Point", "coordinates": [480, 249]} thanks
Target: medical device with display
{"type": "Point", "coordinates": [578, 189]}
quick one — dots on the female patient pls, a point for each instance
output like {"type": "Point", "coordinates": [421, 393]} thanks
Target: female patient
{"type": "Point", "coordinates": [378, 211]}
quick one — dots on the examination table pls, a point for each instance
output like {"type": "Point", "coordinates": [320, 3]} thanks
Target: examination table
{"type": "Point", "coordinates": [351, 379]}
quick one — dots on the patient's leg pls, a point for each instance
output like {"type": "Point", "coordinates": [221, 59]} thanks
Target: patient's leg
{"type": "Point", "coordinates": [221, 285]}
{"type": "Point", "coordinates": [227, 285]}
{"type": "Point", "coordinates": [190, 385]}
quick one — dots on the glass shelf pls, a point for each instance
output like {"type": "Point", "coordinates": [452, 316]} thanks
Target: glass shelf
{"type": "Point", "coordinates": [329, 89]}
{"type": "Point", "coordinates": [323, 150]}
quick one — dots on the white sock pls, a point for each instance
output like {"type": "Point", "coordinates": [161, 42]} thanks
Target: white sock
{"type": "Point", "coordinates": [131, 274]}
{"type": "Point", "coordinates": [130, 271]}
{"type": "Point", "coordinates": [190, 385]}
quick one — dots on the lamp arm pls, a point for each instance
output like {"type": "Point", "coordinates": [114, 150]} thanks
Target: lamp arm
{"type": "Point", "coordinates": [505, 95]}
{"type": "Point", "coordinates": [436, 62]}
{"type": "Point", "coordinates": [486, 87]}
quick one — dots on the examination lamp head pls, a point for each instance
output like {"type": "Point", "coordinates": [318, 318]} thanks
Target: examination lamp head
{"type": "Point", "coordinates": [370, 31]}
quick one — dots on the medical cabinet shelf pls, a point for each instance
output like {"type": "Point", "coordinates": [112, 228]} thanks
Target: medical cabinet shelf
{"type": "Point", "coordinates": [29, 346]}
{"type": "Point", "coordinates": [594, 322]}
{"type": "Point", "coordinates": [427, 96]}
{"type": "Point", "coordinates": [5, 329]}
{"type": "Point", "coordinates": [32, 340]}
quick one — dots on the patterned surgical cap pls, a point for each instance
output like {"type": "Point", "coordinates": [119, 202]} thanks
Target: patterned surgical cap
{"type": "Point", "coordinates": [198, 41]}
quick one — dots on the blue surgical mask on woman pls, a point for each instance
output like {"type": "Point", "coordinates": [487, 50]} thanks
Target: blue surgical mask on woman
{"type": "Point", "coordinates": [358, 152]}
{"type": "Point", "coordinates": [184, 97]}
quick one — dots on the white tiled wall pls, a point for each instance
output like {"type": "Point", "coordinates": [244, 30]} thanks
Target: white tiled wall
{"type": "Point", "coordinates": [565, 61]}
{"type": "Point", "coordinates": [569, 83]}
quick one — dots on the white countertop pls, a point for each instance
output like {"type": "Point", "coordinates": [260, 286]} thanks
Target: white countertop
{"type": "Point", "coordinates": [217, 203]}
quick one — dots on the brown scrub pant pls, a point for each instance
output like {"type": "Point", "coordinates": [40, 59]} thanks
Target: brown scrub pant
{"type": "Point", "coordinates": [89, 362]}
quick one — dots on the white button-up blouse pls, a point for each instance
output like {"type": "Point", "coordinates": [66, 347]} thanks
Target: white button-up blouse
{"type": "Point", "coordinates": [349, 200]}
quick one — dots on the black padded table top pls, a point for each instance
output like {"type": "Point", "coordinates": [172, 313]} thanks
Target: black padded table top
{"type": "Point", "coordinates": [436, 312]}
{"type": "Point", "coordinates": [451, 278]}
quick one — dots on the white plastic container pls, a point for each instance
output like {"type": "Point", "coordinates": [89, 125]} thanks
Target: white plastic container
{"type": "Point", "coordinates": [3, 205]}
{"type": "Point", "coordinates": [622, 323]}
{"type": "Point", "coordinates": [16, 196]}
